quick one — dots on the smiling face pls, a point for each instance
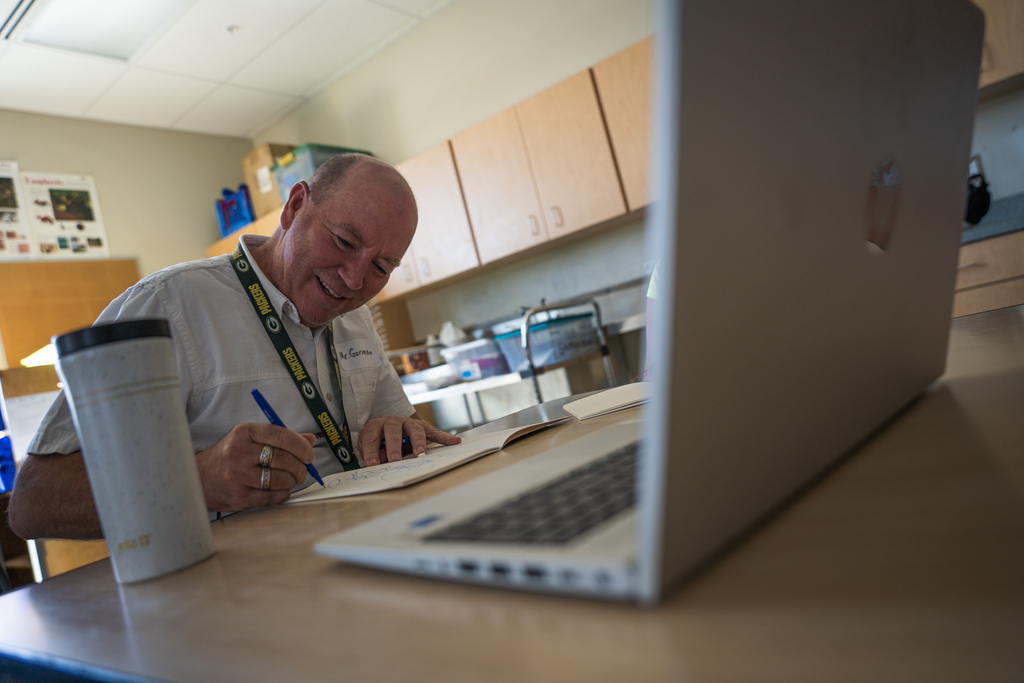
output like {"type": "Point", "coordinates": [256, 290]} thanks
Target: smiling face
{"type": "Point", "coordinates": [341, 243]}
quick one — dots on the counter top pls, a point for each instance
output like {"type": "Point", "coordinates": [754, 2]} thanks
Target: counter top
{"type": "Point", "coordinates": [1004, 215]}
{"type": "Point", "coordinates": [902, 563]}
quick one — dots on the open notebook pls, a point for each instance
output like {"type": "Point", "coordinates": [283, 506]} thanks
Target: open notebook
{"type": "Point", "coordinates": [437, 459]}
{"type": "Point", "coordinates": [609, 400]}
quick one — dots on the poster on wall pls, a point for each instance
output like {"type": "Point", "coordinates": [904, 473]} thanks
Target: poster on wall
{"type": "Point", "coordinates": [16, 241]}
{"type": "Point", "coordinates": [64, 215]}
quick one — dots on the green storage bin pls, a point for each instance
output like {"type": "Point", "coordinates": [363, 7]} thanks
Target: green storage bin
{"type": "Point", "coordinates": [301, 162]}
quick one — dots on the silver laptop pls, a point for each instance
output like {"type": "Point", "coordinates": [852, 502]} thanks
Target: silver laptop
{"type": "Point", "coordinates": [811, 162]}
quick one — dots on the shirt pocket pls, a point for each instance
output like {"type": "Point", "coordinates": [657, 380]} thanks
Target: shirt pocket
{"type": "Point", "coordinates": [361, 384]}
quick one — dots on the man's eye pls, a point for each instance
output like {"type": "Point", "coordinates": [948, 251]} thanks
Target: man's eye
{"type": "Point", "coordinates": [344, 242]}
{"type": "Point", "coordinates": [381, 269]}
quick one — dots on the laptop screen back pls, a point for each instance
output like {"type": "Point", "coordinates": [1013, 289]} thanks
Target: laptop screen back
{"type": "Point", "coordinates": [810, 164]}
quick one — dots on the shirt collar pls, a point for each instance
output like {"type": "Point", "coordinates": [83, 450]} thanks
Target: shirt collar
{"type": "Point", "coordinates": [279, 300]}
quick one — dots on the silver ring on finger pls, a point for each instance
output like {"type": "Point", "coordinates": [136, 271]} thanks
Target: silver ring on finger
{"type": "Point", "coordinates": [264, 478]}
{"type": "Point", "coordinates": [266, 456]}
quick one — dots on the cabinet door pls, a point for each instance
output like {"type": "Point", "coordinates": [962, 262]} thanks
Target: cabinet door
{"type": "Point", "coordinates": [570, 155]}
{"type": "Point", "coordinates": [1002, 54]}
{"type": "Point", "coordinates": [443, 245]}
{"type": "Point", "coordinates": [501, 197]}
{"type": "Point", "coordinates": [403, 279]}
{"type": "Point", "coordinates": [991, 260]}
{"type": "Point", "coordinates": [44, 298]}
{"type": "Point", "coordinates": [990, 275]}
{"type": "Point", "coordinates": [624, 90]}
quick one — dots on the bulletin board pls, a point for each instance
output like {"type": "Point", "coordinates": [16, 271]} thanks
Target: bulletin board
{"type": "Point", "coordinates": [64, 215]}
{"type": "Point", "coordinates": [16, 239]}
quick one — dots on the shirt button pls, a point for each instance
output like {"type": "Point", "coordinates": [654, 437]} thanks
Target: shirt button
{"type": "Point", "coordinates": [330, 396]}
{"type": "Point", "coordinates": [287, 308]}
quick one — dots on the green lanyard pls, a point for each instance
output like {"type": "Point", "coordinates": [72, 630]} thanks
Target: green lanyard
{"type": "Point", "coordinates": [339, 439]}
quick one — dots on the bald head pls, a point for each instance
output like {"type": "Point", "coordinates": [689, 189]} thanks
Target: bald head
{"type": "Point", "coordinates": [332, 175]}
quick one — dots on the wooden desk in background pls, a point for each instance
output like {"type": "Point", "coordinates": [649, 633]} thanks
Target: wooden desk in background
{"type": "Point", "coordinates": [905, 563]}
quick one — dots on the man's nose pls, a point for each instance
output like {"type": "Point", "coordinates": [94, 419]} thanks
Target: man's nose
{"type": "Point", "coordinates": [353, 272]}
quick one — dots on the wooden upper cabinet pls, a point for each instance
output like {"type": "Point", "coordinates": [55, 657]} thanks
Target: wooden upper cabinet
{"type": "Point", "coordinates": [624, 89]}
{"type": "Point", "coordinates": [501, 197]}
{"type": "Point", "coordinates": [443, 245]}
{"type": "Point", "coordinates": [404, 278]}
{"type": "Point", "coordinates": [571, 158]}
{"type": "Point", "coordinates": [1002, 54]}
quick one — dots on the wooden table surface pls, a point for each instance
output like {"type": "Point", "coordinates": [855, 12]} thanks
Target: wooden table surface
{"type": "Point", "coordinates": [905, 563]}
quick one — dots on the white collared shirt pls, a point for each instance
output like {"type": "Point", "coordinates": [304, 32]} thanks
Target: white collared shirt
{"type": "Point", "coordinates": [223, 353]}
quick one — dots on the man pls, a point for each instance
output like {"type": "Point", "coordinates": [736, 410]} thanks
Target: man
{"type": "Point", "coordinates": [341, 235]}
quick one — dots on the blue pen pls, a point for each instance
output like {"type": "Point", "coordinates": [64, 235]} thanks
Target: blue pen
{"type": "Point", "coordinates": [274, 419]}
{"type": "Point", "coordinates": [405, 442]}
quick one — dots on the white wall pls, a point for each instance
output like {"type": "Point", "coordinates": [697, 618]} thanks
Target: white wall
{"type": "Point", "coordinates": [999, 139]}
{"type": "Point", "coordinates": [156, 188]}
{"type": "Point", "coordinates": [472, 59]}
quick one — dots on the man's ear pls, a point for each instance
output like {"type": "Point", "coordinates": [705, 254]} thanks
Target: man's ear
{"type": "Point", "coordinates": [298, 196]}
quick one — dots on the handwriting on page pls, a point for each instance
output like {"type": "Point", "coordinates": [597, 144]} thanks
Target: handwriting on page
{"type": "Point", "coordinates": [390, 475]}
{"type": "Point", "coordinates": [384, 471]}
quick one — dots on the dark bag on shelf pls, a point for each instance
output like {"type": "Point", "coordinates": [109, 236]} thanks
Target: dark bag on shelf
{"type": "Point", "coordinates": [978, 199]}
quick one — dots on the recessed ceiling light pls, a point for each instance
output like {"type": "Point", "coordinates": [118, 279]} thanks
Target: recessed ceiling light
{"type": "Point", "coordinates": [113, 28]}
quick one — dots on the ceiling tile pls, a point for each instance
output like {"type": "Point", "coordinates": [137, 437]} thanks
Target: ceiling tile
{"type": "Point", "coordinates": [419, 8]}
{"type": "Point", "coordinates": [116, 29]}
{"type": "Point", "coordinates": [278, 53]}
{"type": "Point", "coordinates": [148, 98]}
{"type": "Point", "coordinates": [53, 82]}
{"type": "Point", "coordinates": [339, 34]}
{"type": "Point", "coordinates": [199, 43]}
{"type": "Point", "coordinates": [231, 110]}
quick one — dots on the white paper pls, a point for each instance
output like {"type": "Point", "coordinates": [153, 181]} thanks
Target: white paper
{"type": "Point", "coordinates": [24, 415]}
{"type": "Point", "coordinates": [16, 240]}
{"type": "Point", "coordinates": [393, 475]}
{"type": "Point", "coordinates": [64, 214]}
{"type": "Point", "coordinates": [609, 401]}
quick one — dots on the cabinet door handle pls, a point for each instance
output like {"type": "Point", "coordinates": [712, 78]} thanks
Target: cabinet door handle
{"type": "Point", "coordinates": [968, 266]}
{"type": "Point", "coordinates": [407, 270]}
{"type": "Point", "coordinates": [424, 267]}
{"type": "Point", "coordinates": [556, 216]}
{"type": "Point", "coordinates": [531, 221]}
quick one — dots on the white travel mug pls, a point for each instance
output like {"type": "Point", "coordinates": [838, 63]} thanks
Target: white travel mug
{"type": "Point", "coordinates": [125, 397]}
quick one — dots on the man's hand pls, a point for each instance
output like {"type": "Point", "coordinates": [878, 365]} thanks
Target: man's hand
{"type": "Point", "coordinates": [231, 471]}
{"type": "Point", "coordinates": [392, 429]}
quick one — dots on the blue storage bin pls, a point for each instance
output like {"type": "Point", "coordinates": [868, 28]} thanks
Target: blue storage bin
{"type": "Point", "coordinates": [6, 464]}
{"type": "Point", "coordinates": [551, 341]}
{"type": "Point", "coordinates": [235, 210]}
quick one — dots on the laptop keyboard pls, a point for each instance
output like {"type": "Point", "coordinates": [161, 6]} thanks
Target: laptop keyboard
{"type": "Point", "coordinates": [558, 511]}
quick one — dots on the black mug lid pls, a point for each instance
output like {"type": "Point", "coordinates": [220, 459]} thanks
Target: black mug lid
{"type": "Point", "coordinates": [110, 332]}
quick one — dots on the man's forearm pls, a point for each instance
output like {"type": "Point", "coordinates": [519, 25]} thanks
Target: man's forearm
{"type": "Point", "coordinates": [52, 499]}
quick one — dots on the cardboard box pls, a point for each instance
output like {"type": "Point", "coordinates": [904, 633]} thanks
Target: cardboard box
{"type": "Point", "coordinates": [261, 181]}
